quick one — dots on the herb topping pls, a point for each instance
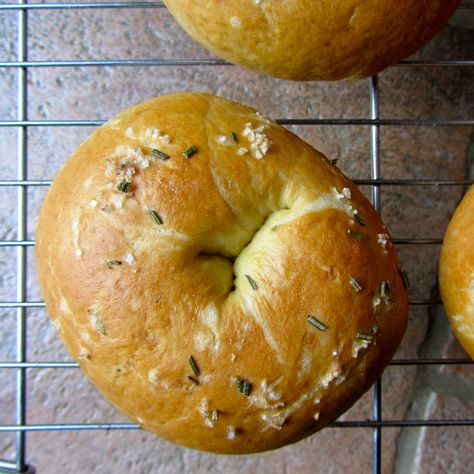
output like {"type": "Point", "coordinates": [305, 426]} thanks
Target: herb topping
{"type": "Point", "coordinates": [359, 218]}
{"type": "Point", "coordinates": [384, 288]}
{"type": "Point", "coordinates": [365, 337]}
{"type": "Point", "coordinates": [124, 186]}
{"type": "Point", "coordinates": [193, 365]}
{"type": "Point", "coordinates": [252, 282]}
{"type": "Point", "coordinates": [316, 323]}
{"type": "Point", "coordinates": [354, 235]}
{"type": "Point", "coordinates": [155, 217]}
{"type": "Point", "coordinates": [243, 386]}
{"type": "Point", "coordinates": [355, 284]}
{"type": "Point", "coordinates": [190, 151]}
{"type": "Point", "coordinates": [159, 154]}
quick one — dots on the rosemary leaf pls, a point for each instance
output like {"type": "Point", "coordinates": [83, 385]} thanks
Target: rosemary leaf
{"type": "Point", "coordinates": [365, 337]}
{"type": "Point", "coordinates": [355, 284]}
{"type": "Point", "coordinates": [124, 186]}
{"type": "Point", "coordinates": [112, 263]}
{"type": "Point", "coordinates": [252, 282]}
{"type": "Point", "coordinates": [243, 386]}
{"type": "Point", "coordinates": [354, 235]}
{"type": "Point", "coordinates": [359, 218]}
{"type": "Point", "coordinates": [334, 162]}
{"type": "Point", "coordinates": [159, 154]}
{"type": "Point", "coordinates": [235, 138]}
{"type": "Point", "coordinates": [384, 288]}
{"type": "Point", "coordinates": [316, 323]}
{"type": "Point", "coordinates": [193, 365]}
{"type": "Point", "coordinates": [155, 217]}
{"type": "Point", "coordinates": [190, 151]}
{"type": "Point", "coordinates": [193, 380]}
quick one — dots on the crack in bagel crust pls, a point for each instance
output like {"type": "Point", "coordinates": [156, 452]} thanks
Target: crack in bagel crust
{"type": "Point", "coordinates": [223, 259]}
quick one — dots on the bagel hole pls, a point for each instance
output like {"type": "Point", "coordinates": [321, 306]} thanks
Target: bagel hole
{"type": "Point", "coordinates": [217, 255]}
{"type": "Point", "coordinates": [232, 258]}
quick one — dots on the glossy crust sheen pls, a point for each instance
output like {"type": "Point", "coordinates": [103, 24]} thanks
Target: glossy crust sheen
{"type": "Point", "coordinates": [134, 295]}
{"type": "Point", "coordinates": [313, 39]}
{"type": "Point", "coordinates": [456, 272]}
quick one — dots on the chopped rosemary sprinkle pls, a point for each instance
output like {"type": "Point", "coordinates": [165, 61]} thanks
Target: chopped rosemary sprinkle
{"type": "Point", "coordinates": [252, 282]}
{"type": "Point", "coordinates": [111, 263]}
{"type": "Point", "coordinates": [193, 365]}
{"type": "Point", "coordinates": [316, 323]}
{"type": "Point", "coordinates": [365, 337]}
{"type": "Point", "coordinates": [159, 154]}
{"type": "Point", "coordinates": [243, 386]}
{"type": "Point", "coordinates": [355, 284]}
{"type": "Point", "coordinates": [404, 276]}
{"type": "Point", "coordinates": [334, 162]}
{"type": "Point", "coordinates": [359, 218]}
{"type": "Point", "coordinates": [190, 151]}
{"type": "Point", "coordinates": [124, 186]}
{"type": "Point", "coordinates": [354, 235]}
{"type": "Point", "coordinates": [384, 288]}
{"type": "Point", "coordinates": [235, 138]}
{"type": "Point", "coordinates": [275, 227]}
{"type": "Point", "coordinates": [155, 217]}
{"type": "Point", "coordinates": [193, 380]}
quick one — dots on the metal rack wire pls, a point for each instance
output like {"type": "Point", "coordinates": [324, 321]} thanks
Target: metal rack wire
{"type": "Point", "coordinates": [22, 304]}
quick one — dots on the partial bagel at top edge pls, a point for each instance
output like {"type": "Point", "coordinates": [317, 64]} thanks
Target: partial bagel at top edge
{"type": "Point", "coordinates": [313, 40]}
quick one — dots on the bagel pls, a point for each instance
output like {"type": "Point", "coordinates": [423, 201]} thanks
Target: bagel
{"type": "Point", "coordinates": [218, 280]}
{"type": "Point", "coordinates": [313, 40]}
{"type": "Point", "coordinates": [456, 272]}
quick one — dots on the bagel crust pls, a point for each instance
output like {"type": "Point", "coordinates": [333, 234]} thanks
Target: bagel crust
{"type": "Point", "coordinates": [313, 39]}
{"type": "Point", "coordinates": [218, 280]}
{"type": "Point", "coordinates": [456, 272]}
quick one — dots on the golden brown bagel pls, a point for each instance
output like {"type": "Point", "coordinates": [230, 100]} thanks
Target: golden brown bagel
{"type": "Point", "coordinates": [456, 272]}
{"type": "Point", "coordinates": [253, 255]}
{"type": "Point", "coordinates": [313, 39]}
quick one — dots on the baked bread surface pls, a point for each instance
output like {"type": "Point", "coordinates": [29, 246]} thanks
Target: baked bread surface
{"type": "Point", "coordinates": [254, 255]}
{"type": "Point", "coordinates": [313, 39]}
{"type": "Point", "coordinates": [456, 272]}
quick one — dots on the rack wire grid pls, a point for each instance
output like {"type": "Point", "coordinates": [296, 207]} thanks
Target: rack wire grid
{"type": "Point", "coordinates": [19, 308]}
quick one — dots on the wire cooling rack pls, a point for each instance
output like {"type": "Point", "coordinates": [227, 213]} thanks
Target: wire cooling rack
{"type": "Point", "coordinates": [21, 305]}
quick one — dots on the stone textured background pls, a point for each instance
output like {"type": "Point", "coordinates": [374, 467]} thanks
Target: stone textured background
{"type": "Point", "coordinates": [407, 152]}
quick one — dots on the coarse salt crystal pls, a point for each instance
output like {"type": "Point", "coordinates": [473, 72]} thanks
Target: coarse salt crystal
{"type": "Point", "coordinates": [231, 432]}
{"type": "Point", "coordinates": [223, 140]}
{"type": "Point", "coordinates": [382, 239]}
{"type": "Point", "coordinates": [165, 139]}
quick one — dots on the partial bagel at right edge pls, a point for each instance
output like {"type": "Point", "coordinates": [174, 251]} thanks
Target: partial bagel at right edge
{"type": "Point", "coordinates": [456, 272]}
